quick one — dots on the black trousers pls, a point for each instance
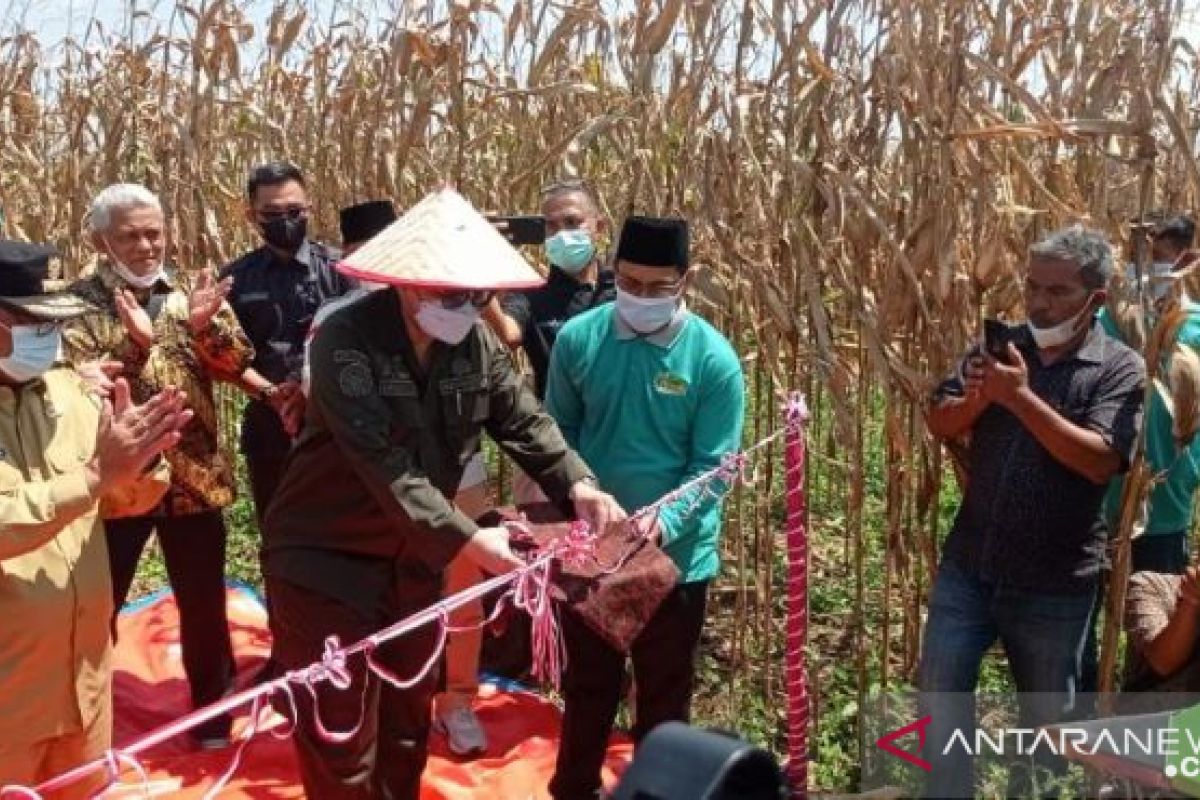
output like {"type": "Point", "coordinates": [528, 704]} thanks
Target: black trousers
{"type": "Point", "coordinates": [664, 660]}
{"type": "Point", "coordinates": [386, 757]}
{"type": "Point", "coordinates": [266, 447]}
{"type": "Point", "coordinates": [194, 550]}
{"type": "Point", "coordinates": [265, 470]}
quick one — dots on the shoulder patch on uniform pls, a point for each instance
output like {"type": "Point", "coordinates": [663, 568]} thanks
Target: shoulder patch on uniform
{"type": "Point", "coordinates": [354, 378]}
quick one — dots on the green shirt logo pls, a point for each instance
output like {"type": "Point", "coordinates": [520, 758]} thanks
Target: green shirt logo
{"type": "Point", "coordinates": [670, 383]}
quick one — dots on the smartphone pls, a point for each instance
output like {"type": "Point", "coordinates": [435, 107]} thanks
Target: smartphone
{"type": "Point", "coordinates": [521, 229]}
{"type": "Point", "coordinates": [996, 336]}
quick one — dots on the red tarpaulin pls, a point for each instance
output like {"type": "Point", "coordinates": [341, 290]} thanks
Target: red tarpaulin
{"type": "Point", "coordinates": [149, 690]}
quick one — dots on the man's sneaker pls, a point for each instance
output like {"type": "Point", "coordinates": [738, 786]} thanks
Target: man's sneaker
{"type": "Point", "coordinates": [212, 743]}
{"type": "Point", "coordinates": [463, 732]}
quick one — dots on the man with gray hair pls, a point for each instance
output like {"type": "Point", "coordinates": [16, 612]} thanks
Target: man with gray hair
{"type": "Point", "coordinates": [157, 329]}
{"type": "Point", "coordinates": [1052, 408]}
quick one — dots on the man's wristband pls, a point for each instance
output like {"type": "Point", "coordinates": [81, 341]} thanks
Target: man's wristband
{"type": "Point", "coordinates": [266, 393]}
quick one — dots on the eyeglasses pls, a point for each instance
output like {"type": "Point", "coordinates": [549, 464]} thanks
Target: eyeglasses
{"type": "Point", "coordinates": [650, 290]}
{"type": "Point", "coordinates": [476, 297]}
{"type": "Point", "coordinates": [291, 212]}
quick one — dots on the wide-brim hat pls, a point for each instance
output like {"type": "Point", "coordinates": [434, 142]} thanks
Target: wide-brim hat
{"type": "Point", "coordinates": [442, 243]}
{"type": "Point", "coordinates": [24, 267]}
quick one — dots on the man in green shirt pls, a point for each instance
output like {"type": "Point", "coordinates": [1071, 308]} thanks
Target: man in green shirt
{"type": "Point", "coordinates": [651, 396]}
{"type": "Point", "coordinates": [1164, 544]}
{"type": "Point", "coordinates": [405, 380]}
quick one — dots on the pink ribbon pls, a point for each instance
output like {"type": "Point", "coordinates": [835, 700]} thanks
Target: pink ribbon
{"type": "Point", "coordinates": [240, 753]}
{"type": "Point", "coordinates": [529, 589]}
{"type": "Point", "coordinates": [797, 598]}
{"type": "Point", "coordinates": [332, 668]}
{"type": "Point", "coordinates": [532, 595]}
{"type": "Point", "coordinates": [396, 681]}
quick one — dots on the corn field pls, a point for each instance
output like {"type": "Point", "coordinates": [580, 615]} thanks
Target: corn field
{"type": "Point", "coordinates": [863, 178]}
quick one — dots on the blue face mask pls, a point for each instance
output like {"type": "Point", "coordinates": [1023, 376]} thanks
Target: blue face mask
{"type": "Point", "coordinates": [33, 351]}
{"type": "Point", "coordinates": [571, 251]}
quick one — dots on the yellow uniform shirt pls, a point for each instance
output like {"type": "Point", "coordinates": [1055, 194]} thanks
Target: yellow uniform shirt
{"type": "Point", "coordinates": [55, 593]}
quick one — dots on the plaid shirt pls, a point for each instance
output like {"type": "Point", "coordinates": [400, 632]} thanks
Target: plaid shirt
{"type": "Point", "coordinates": [202, 477]}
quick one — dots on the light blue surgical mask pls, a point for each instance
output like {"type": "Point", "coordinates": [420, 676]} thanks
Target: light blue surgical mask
{"type": "Point", "coordinates": [571, 251]}
{"type": "Point", "coordinates": [34, 350]}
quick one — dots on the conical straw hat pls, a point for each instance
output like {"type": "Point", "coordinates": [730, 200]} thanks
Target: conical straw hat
{"type": "Point", "coordinates": [442, 243]}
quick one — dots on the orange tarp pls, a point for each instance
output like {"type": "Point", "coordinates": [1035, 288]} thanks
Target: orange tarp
{"type": "Point", "coordinates": [149, 691]}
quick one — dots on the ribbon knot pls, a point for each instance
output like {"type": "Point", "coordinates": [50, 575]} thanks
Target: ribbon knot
{"type": "Point", "coordinates": [795, 409]}
{"type": "Point", "coordinates": [333, 662]}
{"type": "Point", "coordinates": [577, 546]}
{"type": "Point", "coordinates": [734, 467]}
{"type": "Point", "coordinates": [112, 765]}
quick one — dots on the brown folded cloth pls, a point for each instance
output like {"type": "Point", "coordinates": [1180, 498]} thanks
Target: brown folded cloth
{"type": "Point", "coordinates": [616, 605]}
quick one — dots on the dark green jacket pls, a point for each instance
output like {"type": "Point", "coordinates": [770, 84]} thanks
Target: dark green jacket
{"type": "Point", "coordinates": [384, 447]}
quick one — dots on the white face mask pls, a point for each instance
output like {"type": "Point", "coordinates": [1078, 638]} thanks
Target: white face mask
{"type": "Point", "coordinates": [129, 276]}
{"type": "Point", "coordinates": [1060, 334]}
{"type": "Point", "coordinates": [646, 314]}
{"type": "Point", "coordinates": [32, 353]}
{"type": "Point", "coordinates": [1158, 279]}
{"type": "Point", "coordinates": [449, 325]}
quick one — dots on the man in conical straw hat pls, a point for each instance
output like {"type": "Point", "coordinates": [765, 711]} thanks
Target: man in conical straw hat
{"type": "Point", "coordinates": [404, 383]}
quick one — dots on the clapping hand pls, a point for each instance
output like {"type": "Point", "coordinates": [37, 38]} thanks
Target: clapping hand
{"type": "Point", "coordinates": [205, 300]}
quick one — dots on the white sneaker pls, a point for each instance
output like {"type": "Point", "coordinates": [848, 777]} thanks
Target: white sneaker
{"type": "Point", "coordinates": [463, 732]}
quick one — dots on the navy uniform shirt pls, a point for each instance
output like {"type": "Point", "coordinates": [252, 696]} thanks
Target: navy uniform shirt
{"type": "Point", "coordinates": [275, 301]}
{"type": "Point", "coordinates": [542, 312]}
{"type": "Point", "coordinates": [1027, 521]}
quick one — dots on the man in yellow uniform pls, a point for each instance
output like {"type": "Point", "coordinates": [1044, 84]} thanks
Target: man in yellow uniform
{"type": "Point", "coordinates": [63, 454]}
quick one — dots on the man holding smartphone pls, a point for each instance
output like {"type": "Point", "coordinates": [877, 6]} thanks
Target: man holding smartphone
{"type": "Point", "coordinates": [1048, 430]}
